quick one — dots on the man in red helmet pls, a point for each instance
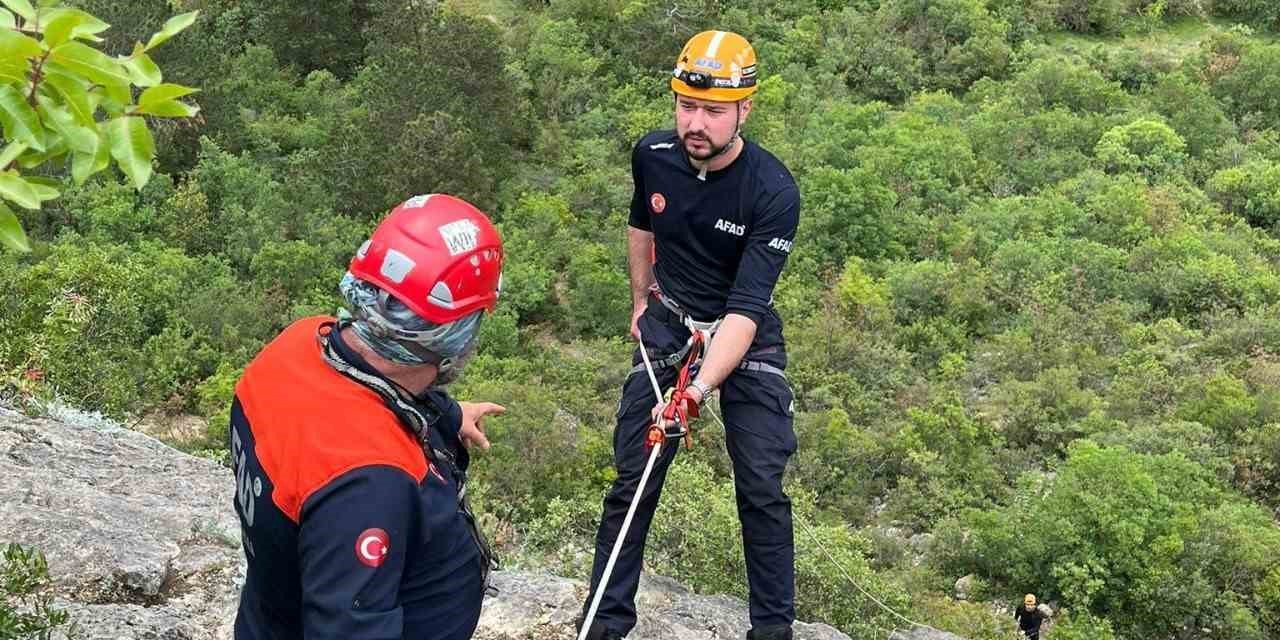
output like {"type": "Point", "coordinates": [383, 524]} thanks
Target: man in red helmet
{"type": "Point", "coordinates": [350, 459]}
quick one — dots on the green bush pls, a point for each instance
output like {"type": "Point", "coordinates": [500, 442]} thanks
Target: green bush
{"type": "Point", "coordinates": [121, 328]}
{"type": "Point", "coordinates": [1183, 275]}
{"type": "Point", "coordinates": [1223, 404]}
{"type": "Point", "coordinates": [1260, 12]}
{"type": "Point", "coordinates": [1145, 147]}
{"type": "Point", "coordinates": [1251, 190]}
{"type": "Point", "coordinates": [1082, 627]}
{"type": "Point", "coordinates": [844, 216]}
{"type": "Point", "coordinates": [25, 611]}
{"type": "Point", "coordinates": [1113, 525]}
{"type": "Point", "coordinates": [959, 41]}
{"type": "Point", "coordinates": [1247, 87]}
{"type": "Point", "coordinates": [597, 291]}
{"type": "Point", "coordinates": [1191, 110]}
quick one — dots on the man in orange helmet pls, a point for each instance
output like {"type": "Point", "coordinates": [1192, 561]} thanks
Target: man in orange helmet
{"type": "Point", "coordinates": [713, 218]}
{"type": "Point", "coordinates": [1030, 617]}
{"type": "Point", "coordinates": [350, 459]}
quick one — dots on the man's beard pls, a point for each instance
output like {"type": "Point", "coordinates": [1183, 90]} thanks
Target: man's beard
{"type": "Point", "coordinates": [711, 152]}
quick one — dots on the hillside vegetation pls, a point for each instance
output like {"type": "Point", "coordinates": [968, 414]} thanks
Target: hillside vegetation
{"type": "Point", "coordinates": [1033, 310]}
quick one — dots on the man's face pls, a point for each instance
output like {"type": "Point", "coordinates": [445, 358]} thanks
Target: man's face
{"type": "Point", "coordinates": [705, 127]}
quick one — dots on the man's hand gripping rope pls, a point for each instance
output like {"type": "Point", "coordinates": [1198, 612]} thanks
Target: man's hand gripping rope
{"type": "Point", "coordinates": [674, 414]}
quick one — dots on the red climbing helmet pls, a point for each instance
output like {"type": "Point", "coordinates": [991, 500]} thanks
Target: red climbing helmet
{"type": "Point", "coordinates": [437, 254]}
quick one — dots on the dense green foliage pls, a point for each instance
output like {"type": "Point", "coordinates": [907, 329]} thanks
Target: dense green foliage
{"type": "Point", "coordinates": [1033, 310]}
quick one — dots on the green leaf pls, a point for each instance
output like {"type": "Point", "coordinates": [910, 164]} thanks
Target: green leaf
{"type": "Point", "coordinates": [19, 119]}
{"type": "Point", "coordinates": [14, 188]}
{"type": "Point", "coordinates": [58, 28]}
{"type": "Point", "coordinates": [13, 75]}
{"type": "Point", "coordinates": [11, 234]}
{"type": "Point", "coordinates": [74, 94]}
{"type": "Point", "coordinates": [7, 20]}
{"type": "Point", "coordinates": [46, 181]}
{"type": "Point", "coordinates": [113, 99]}
{"type": "Point", "coordinates": [83, 139]}
{"type": "Point", "coordinates": [173, 27]}
{"type": "Point", "coordinates": [54, 151]}
{"type": "Point", "coordinates": [84, 165]}
{"type": "Point", "coordinates": [60, 120]}
{"type": "Point", "coordinates": [81, 166]}
{"type": "Point", "coordinates": [62, 25]}
{"type": "Point", "coordinates": [16, 52]}
{"type": "Point", "coordinates": [44, 188]}
{"type": "Point", "coordinates": [142, 69]}
{"type": "Point", "coordinates": [11, 152]}
{"type": "Point", "coordinates": [102, 159]}
{"type": "Point", "coordinates": [133, 148]}
{"type": "Point", "coordinates": [91, 25]}
{"type": "Point", "coordinates": [21, 7]}
{"type": "Point", "coordinates": [17, 48]}
{"type": "Point", "coordinates": [95, 65]}
{"type": "Point", "coordinates": [169, 109]}
{"type": "Point", "coordinates": [164, 93]}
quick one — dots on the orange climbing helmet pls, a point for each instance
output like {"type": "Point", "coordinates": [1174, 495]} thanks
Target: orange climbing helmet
{"type": "Point", "coordinates": [716, 65]}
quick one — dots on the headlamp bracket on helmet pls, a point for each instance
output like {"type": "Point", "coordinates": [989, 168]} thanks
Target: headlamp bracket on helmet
{"type": "Point", "coordinates": [700, 80]}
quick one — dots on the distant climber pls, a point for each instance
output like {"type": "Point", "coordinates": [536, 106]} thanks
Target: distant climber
{"type": "Point", "coordinates": [1030, 616]}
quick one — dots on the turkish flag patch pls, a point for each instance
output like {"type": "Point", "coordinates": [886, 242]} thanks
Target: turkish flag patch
{"type": "Point", "coordinates": [372, 547]}
{"type": "Point", "coordinates": [657, 203]}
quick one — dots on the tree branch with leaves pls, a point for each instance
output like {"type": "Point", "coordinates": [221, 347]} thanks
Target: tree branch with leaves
{"type": "Point", "coordinates": [66, 104]}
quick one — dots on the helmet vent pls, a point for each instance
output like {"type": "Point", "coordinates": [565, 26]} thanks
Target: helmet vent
{"type": "Point", "coordinates": [396, 266]}
{"type": "Point", "coordinates": [441, 296]}
{"type": "Point", "coordinates": [417, 201]}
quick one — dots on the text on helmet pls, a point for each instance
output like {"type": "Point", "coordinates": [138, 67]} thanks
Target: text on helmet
{"type": "Point", "coordinates": [460, 236]}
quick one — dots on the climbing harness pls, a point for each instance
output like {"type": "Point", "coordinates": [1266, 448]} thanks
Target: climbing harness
{"type": "Point", "coordinates": [708, 329]}
{"type": "Point", "coordinates": [695, 327]}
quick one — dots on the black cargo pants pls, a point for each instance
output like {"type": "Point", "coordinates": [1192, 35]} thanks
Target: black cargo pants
{"type": "Point", "coordinates": [757, 405]}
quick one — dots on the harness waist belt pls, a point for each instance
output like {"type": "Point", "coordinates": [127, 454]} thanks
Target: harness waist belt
{"type": "Point", "coordinates": [683, 317]}
{"type": "Point", "coordinates": [675, 359]}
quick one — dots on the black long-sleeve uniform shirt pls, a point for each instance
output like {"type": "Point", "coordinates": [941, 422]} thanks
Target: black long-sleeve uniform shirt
{"type": "Point", "coordinates": [720, 242]}
{"type": "Point", "coordinates": [1028, 620]}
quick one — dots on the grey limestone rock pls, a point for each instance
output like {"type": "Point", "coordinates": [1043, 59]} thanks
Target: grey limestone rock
{"type": "Point", "coordinates": [142, 542]}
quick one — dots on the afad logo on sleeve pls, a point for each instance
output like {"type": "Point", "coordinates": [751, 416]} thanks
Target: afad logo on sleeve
{"type": "Point", "coordinates": [372, 546]}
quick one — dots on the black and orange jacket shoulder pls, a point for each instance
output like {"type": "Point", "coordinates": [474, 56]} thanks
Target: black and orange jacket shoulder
{"type": "Point", "coordinates": [348, 530]}
{"type": "Point", "coordinates": [321, 423]}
